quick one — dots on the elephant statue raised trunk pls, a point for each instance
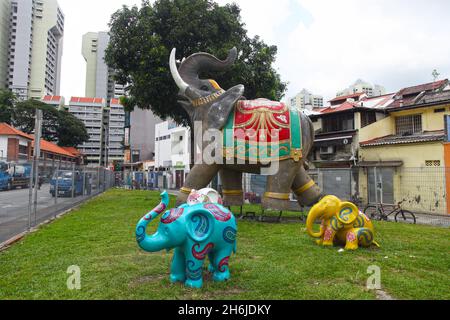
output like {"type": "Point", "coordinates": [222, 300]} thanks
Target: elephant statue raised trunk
{"type": "Point", "coordinates": [255, 135]}
{"type": "Point", "coordinates": [196, 230]}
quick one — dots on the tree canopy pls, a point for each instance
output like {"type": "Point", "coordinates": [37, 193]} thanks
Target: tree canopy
{"type": "Point", "coordinates": [7, 101]}
{"type": "Point", "coordinates": [58, 126]}
{"type": "Point", "coordinates": [142, 38]}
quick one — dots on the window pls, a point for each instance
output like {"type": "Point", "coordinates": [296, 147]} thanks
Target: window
{"type": "Point", "coordinates": [439, 110]}
{"type": "Point", "coordinates": [408, 125]}
{"type": "Point", "coordinates": [367, 118]}
{"type": "Point", "coordinates": [338, 122]}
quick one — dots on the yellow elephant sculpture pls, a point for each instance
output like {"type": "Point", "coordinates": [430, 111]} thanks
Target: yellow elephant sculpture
{"type": "Point", "coordinates": [342, 224]}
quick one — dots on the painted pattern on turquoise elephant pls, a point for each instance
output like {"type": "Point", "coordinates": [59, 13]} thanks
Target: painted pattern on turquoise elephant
{"type": "Point", "coordinates": [194, 232]}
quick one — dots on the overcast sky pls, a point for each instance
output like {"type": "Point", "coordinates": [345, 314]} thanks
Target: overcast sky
{"type": "Point", "coordinates": [323, 45]}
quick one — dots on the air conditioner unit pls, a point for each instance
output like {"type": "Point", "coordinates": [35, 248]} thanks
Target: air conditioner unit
{"type": "Point", "coordinates": [327, 150]}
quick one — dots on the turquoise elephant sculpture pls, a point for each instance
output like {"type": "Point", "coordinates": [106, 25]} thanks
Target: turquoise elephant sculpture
{"type": "Point", "coordinates": [195, 232]}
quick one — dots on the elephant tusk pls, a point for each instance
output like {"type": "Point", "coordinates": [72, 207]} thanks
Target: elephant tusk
{"type": "Point", "coordinates": [175, 74]}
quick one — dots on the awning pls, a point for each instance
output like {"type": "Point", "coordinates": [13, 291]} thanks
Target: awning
{"type": "Point", "coordinates": [372, 164]}
{"type": "Point", "coordinates": [333, 141]}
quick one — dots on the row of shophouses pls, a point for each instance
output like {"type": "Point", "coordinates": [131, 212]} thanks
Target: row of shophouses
{"type": "Point", "coordinates": [390, 149]}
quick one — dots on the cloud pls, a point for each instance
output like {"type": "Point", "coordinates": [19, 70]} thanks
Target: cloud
{"type": "Point", "coordinates": [322, 45]}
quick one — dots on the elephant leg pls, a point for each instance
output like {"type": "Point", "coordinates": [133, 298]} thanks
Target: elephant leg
{"type": "Point", "coordinates": [306, 190]}
{"type": "Point", "coordinates": [220, 264]}
{"type": "Point", "coordinates": [194, 266]}
{"type": "Point", "coordinates": [232, 187]}
{"type": "Point", "coordinates": [278, 187]}
{"type": "Point", "coordinates": [329, 236]}
{"type": "Point", "coordinates": [211, 267]}
{"type": "Point", "coordinates": [352, 240]}
{"type": "Point", "coordinates": [178, 269]}
{"type": "Point", "coordinates": [323, 228]}
{"type": "Point", "coordinates": [199, 178]}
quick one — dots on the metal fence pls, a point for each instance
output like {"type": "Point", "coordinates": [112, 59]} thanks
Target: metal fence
{"type": "Point", "coordinates": [29, 197]}
{"type": "Point", "coordinates": [421, 190]}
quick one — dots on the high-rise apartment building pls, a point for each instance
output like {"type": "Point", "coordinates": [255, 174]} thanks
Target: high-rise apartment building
{"type": "Point", "coordinates": [99, 78]}
{"type": "Point", "coordinates": [361, 86]}
{"type": "Point", "coordinates": [306, 100]}
{"type": "Point", "coordinates": [91, 112]}
{"type": "Point", "coordinates": [5, 12]}
{"type": "Point", "coordinates": [116, 133]}
{"type": "Point", "coordinates": [35, 45]}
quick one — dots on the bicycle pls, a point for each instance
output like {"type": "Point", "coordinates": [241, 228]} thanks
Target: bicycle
{"type": "Point", "coordinates": [380, 212]}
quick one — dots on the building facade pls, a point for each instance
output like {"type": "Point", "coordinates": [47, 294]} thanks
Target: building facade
{"type": "Point", "coordinates": [172, 152]}
{"type": "Point", "coordinates": [56, 101]}
{"type": "Point", "coordinates": [5, 13]}
{"type": "Point", "coordinates": [116, 132]}
{"type": "Point", "coordinates": [99, 78]}
{"type": "Point", "coordinates": [35, 46]}
{"type": "Point", "coordinates": [306, 100]}
{"type": "Point", "coordinates": [91, 112]}
{"type": "Point", "coordinates": [403, 156]}
{"type": "Point", "coordinates": [361, 86]}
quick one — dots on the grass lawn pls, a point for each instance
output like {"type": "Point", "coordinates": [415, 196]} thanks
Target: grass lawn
{"type": "Point", "coordinates": [274, 261]}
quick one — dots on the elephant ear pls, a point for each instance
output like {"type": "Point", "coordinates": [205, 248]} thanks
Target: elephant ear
{"type": "Point", "coordinates": [220, 110]}
{"type": "Point", "coordinates": [200, 225]}
{"type": "Point", "coordinates": [348, 213]}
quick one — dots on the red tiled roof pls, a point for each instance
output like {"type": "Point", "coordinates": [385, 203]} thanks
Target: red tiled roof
{"type": "Point", "coordinates": [428, 136]}
{"type": "Point", "coordinates": [87, 100]}
{"type": "Point", "coordinates": [431, 86]}
{"type": "Point", "coordinates": [7, 130]}
{"type": "Point", "coordinates": [74, 151]}
{"type": "Point", "coordinates": [408, 96]}
{"type": "Point", "coordinates": [343, 107]}
{"type": "Point", "coordinates": [53, 148]}
{"type": "Point", "coordinates": [350, 96]}
{"type": "Point", "coordinates": [52, 98]}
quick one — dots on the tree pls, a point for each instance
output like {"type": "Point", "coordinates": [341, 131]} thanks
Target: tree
{"type": "Point", "coordinates": [58, 125]}
{"type": "Point", "coordinates": [7, 101]}
{"type": "Point", "coordinates": [142, 38]}
{"type": "Point", "coordinates": [72, 131]}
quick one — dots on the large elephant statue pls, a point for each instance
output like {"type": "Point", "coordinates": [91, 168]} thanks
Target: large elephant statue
{"type": "Point", "coordinates": [195, 230]}
{"type": "Point", "coordinates": [206, 102]}
{"type": "Point", "coordinates": [342, 224]}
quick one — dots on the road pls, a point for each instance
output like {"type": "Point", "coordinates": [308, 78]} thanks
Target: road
{"type": "Point", "coordinates": [14, 215]}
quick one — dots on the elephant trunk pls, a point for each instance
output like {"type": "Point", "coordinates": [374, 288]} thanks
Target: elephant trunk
{"type": "Point", "coordinates": [196, 63]}
{"type": "Point", "coordinates": [155, 242]}
{"type": "Point", "coordinates": [314, 214]}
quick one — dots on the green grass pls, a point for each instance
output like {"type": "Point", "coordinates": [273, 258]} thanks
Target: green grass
{"type": "Point", "coordinates": [274, 261]}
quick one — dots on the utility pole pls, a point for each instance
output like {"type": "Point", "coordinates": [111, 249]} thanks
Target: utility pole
{"type": "Point", "coordinates": [36, 155]}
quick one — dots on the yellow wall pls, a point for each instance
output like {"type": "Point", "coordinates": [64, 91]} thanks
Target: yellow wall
{"type": "Point", "coordinates": [381, 128]}
{"type": "Point", "coordinates": [431, 121]}
{"type": "Point", "coordinates": [413, 155]}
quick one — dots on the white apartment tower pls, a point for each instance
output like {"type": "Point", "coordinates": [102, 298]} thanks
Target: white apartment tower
{"type": "Point", "coordinates": [35, 45]}
{"type": "Point", "coordinates": [99, 78]}
{"type": "Point", "coordinates": [90, 111]}
{"type": "Point", "coordinates": [306, 100]}
{"type": "Point", "coordinates": [5, 13]}
{"type": "Point", "coordinates": [361, 86]}
{"type": "Point", "coordinates": [116, 132]}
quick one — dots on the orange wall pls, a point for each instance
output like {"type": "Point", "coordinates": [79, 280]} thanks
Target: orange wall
{"type": "Point", "coordinates": [447, 173]}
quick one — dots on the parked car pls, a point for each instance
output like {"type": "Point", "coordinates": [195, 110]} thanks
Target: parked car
{"type": "Point", "coordinates": [65, 182]}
